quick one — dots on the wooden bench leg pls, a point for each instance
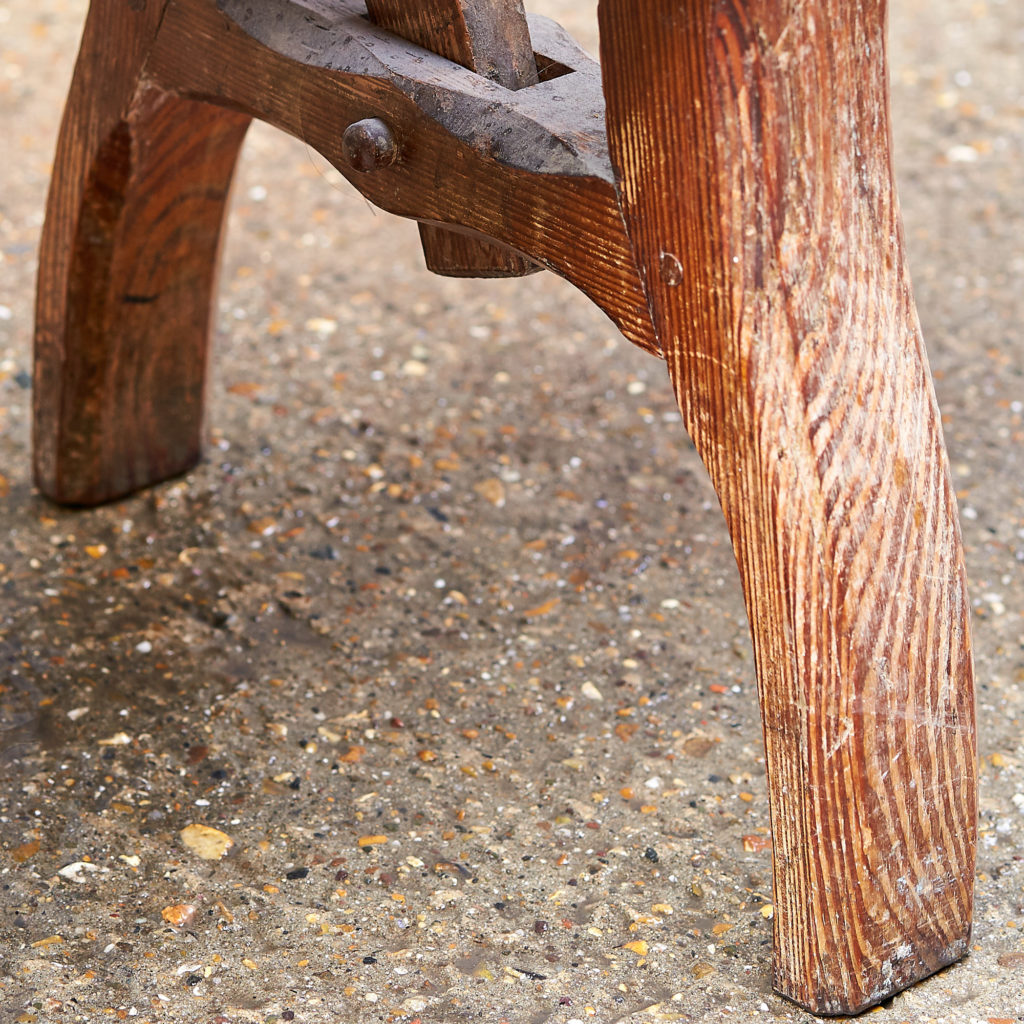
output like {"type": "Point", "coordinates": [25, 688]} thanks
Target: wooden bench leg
{"type": "Point", "coordinates": [127, 269]}
{"type": "Point", "coordinates": [751, 141]}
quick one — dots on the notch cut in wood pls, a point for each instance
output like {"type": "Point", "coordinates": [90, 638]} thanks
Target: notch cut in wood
{"type": "Point", "coordinates": [490, 37]}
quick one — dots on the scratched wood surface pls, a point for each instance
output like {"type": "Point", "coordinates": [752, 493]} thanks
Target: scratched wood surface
{"type": "Point", "coordinates": [492, 38]}
{"type": "Point", "coordinates": [127, 271]}
{"type": "Point", "coordinates": [526, 167]}
{"type": "Point", "coordinates": [752, 141]}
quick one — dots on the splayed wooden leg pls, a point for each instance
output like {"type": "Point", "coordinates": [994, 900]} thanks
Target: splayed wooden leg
{"type": "Point", "coordinates": [127, 270]}
{"type": "Point", "coordinates": [752, 145]}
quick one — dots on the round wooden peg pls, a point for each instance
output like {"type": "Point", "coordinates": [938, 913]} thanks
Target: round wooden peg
{"type": "Point", "coordinates": [369, 145]}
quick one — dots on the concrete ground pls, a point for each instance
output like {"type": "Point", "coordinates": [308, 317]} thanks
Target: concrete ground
{"type": "Point", "coordinates": [445, 634]}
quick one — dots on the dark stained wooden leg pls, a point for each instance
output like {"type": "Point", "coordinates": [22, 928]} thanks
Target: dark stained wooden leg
{"type": "Point", "coordinates": [127, 270]}
{"type": "Point", "coordinates": [751, 138]}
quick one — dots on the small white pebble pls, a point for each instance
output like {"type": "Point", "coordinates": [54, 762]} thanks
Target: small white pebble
{"type": "Point", "coordinates": [80, 870]}
{"type": "Point", "coordinates": [962, 155]}
{"type": "Point", "coordinates": [144, 647]}
{"type": "Point", "coordinates": [322, 325]}
{"type": "Point", "coordinates": [119, 739]}
{"type": "Point", "coordinates": [415, 368]}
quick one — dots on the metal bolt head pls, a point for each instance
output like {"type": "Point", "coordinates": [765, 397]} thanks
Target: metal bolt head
{"type": "Point", "coordinates": [369, 145]}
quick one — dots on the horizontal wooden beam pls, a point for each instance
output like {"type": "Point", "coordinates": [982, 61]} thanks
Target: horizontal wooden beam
{"type": "Point", "coordinates": [529, 167]}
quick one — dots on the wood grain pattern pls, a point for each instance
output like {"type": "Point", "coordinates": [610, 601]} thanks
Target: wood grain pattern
{"type": "Point", "coordinates": [127, 271]}
{"type": "Point", "coordinates": [751, 137]}
{"type": "Point", "coordinates": [492, 38]}
{"type": "Point", "coordinates": [527, 167]}
{"type": "Point", "coordinates": [149, 141]}
{"type": "Point", "coordinates": [749, 226]}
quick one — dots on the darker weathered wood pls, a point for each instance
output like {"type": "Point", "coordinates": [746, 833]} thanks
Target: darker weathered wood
{"type": "Point", "coordinates": [526, 166]}
{"type": "Point", "coordinates": [490, 37]}
{"type": "Point", "coordinates": [751, 137]}
{"type": "Point", "coordinates": [127, 269]}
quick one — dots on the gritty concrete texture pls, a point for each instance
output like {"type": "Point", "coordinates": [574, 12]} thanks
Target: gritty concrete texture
{"type": "Point", "coordinates": [445, 636]}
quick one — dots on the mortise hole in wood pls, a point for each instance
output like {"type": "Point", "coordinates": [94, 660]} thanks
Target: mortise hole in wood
{"type": "Point", "coordinates": [548, 69]}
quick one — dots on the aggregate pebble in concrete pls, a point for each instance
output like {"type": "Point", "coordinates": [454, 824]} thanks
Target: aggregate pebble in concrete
{"type": "Point", "coordinates": [428, 695]}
